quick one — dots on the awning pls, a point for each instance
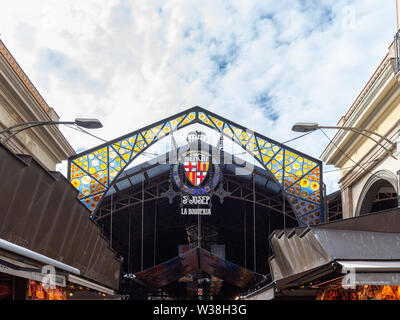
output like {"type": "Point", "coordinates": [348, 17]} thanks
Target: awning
{"type": "Point", "coordinates": [363, 250]}
{"type": "Point", "coordinates": [193, 260]}
{"type": "Point", "coordinates": [362, 273]}
{"type": "Point", "coordinates": [265, 293]}
{"type": "Point", "coordinates": [371, 266]}
{"type": "Point", "coordinates": [33, 271]}
{"type": "Point", "coordinates": [349, 273]}
{"type": "Point", "coordinates": [89, 284]}
{"type": "Point", "coordinates": [296, 254]}
{"type": "Point", "coordinates": [27, 271]}
{"type": "Point", "coordinates": [40, 211]}
{"type": "Point", "coordinates": [9, 246]}
{"type": "Point", "coordinates": [367, 246]}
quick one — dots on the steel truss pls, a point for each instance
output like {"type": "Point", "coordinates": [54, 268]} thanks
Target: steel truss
{"type": "Point", "coordinates": [240, 191]}
{"type": "Point", "coordinates": [94, 171]}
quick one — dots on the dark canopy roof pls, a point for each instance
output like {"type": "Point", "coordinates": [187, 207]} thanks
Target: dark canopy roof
{"type": "Point", "coordinates": [194, 260]}
{"type": "Point", "coordinates": [300, 251]}
{"type": "Point", "coordinates": [39, 210]}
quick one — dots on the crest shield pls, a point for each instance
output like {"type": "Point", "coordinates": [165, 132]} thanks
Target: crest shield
{"type": "Point", "coordinates": [196, 166]}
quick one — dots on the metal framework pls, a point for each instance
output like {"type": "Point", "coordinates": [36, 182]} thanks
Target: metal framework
{"type": "Point", "coordinates": [239, 191]}
{"type": "Point", "coordinates": [334, 206]}
{"type": "Point", "coordinates": [157, 228]}
{"type": "Point", "coordinates": [94, 171]}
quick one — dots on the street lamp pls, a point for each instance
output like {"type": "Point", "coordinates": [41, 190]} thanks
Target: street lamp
{"type": "Point", "coordinates": [312, 126]}
{"type": "Point", "coordinates": [81, 122]}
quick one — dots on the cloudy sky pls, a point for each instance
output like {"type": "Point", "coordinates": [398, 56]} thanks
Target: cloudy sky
{"type": "Point", "coordinates": [264, 64]}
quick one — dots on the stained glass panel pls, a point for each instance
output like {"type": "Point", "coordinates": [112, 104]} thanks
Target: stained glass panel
{"type": "Point", "coordinates": [92, 172]}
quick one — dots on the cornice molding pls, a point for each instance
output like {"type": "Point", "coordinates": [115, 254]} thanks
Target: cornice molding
{"type": "Point", "coordinates": [25, 108]}
{"type": "Point", "coordinates": [371, 100]}
{"type": "Point", "coordinates": [386, 60]}
{"type": "Point", "coordinates": [25, 104]}
{"type": "Point", "coordinates": [23, 77]}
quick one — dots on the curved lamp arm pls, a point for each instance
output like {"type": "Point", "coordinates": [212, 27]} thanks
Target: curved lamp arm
{"type": "Point", "coordinates": [81, 122]}
{"type": "Point", "coordinates": [306, 127]}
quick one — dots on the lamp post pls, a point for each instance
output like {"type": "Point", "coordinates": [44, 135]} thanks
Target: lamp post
{"type": "Point", "coordinates": [80, 122]}
{"type": "Point", "coordinates": [312, 126]}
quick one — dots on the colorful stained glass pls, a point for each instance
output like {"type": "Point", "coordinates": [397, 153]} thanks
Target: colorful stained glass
{"type": "Point", "coordinates": [93, 172]}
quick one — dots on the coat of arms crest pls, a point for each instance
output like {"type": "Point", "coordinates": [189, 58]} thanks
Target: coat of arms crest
{"type": "Point", "coordinates": [196, 166]}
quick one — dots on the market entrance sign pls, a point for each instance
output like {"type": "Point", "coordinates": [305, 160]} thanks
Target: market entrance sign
{"type": "Point", "coordinates": [196, 174]}
{"type": "Point", "coordinates": [94, 171]}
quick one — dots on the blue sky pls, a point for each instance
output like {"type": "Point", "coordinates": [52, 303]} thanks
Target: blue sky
{"type": "Point", "coordinates": [265, 64]}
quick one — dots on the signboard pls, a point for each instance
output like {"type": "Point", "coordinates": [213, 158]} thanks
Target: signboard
{"type": "Point", "coordinates": [196, 174]}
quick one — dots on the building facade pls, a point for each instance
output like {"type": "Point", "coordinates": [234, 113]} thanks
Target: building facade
{"type": "Point", "coordinates": [369, 164]}
{"type": "Point", "coordinates": [21, 102]}
{"type": "Point", "coordinates": [49, 248]}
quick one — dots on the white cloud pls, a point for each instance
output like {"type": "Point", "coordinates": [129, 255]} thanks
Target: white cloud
{"type": "Point", "coordinates": [263, 64]}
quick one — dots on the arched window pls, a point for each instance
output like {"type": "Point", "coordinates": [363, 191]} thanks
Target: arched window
{"type": "Point", "coordinates": [379, 193]}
